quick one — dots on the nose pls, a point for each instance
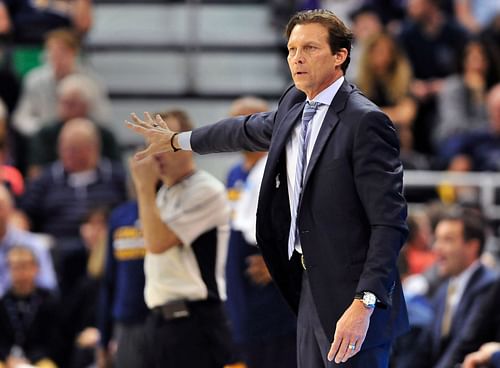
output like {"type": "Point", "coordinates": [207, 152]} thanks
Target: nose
{"type": "Point", "coordinates": [297, 57]}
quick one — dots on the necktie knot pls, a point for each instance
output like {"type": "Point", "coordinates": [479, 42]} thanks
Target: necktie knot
{"type": "Point", "coordinates": [309, 111]}
{"type": "Point", "coordinates": [313, 105]}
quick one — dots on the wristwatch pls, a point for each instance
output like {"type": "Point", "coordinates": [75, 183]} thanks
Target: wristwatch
{"type": "Point", "coordinates": [368, 299]}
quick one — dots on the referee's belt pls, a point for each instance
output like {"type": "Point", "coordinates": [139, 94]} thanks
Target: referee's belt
{"type": "Point", "coordinates": [181, 308]}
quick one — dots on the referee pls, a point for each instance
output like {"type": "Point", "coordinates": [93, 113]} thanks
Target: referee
{"type": "Point", "coordinates": [185, 228]}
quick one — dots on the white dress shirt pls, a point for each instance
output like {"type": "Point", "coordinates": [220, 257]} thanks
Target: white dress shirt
{"type": "Point", "coordinates": [325, 97]}
{"type": "Point", "coordinates": [460, 282]}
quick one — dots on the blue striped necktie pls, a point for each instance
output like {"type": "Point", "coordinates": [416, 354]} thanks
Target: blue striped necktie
{"type": "Point", "coordinates": [307, 115]}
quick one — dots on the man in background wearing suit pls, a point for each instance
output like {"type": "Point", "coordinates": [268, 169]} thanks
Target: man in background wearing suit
{"type": "Point", "coordinates": [460, 237]}
{"type": "Point", "coordinates": [331, 216]}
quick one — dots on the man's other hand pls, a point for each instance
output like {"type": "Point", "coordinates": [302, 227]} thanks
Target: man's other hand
{"type": "Point", "coordinates": [350, 332]}
{"type": "Point", "coordinates": [257, 270]}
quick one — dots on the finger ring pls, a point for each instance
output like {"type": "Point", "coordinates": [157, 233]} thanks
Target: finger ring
{"type": "Point", "coordinates": [352, 346]}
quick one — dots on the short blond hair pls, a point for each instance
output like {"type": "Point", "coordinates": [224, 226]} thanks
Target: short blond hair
{"type": "Point", "coordinates": [248, 105]}
{"type": "Point", "coordinates": [65, 35]}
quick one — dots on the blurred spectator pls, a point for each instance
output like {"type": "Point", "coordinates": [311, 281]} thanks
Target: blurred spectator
{"type": "Point", "coordinates": [391, 12]}
{"type": "Point", "coordinates": [122, 309]}
{"type": "Point", "coordinates": [459, 242]}
{"type": "Point", "coordinates": [28, 316]}
{"type": "Point", "coordinates": [80, 313]}
{"type": "Point", "coordinates": [9, 175]}
{"type": "Point", "coordinates": [75, 97]}
{"type": "Point", "coordinates": [185, 227]}
{"type": "Point", "coordinates": [411, 159]}
{"type": "Point", "coordinates": [475, 15]}
{"type": "Point", "coordinates": [385, 76]}
{"type": "Point", "coordinates": [483, 328]}
{"type": "Point", "coordinates": [418, 248]}
{"type": "Point", "coordinates": [366, 23]}
{"type": "Point", "coordinates": [491, 38]}
{"type": "Point", "coordinates": [263, 325]}
{"type": "Point", "coordinates": [26, 22]}
{"type": "Point", "coordinates": [11, 236]}
{"type": "Point", "coordinates": [38, 103]}
{"type": "Point", "coordinates": [482, 146]}
{"type": "Point", "coordinates": [281, 11]}
{"type": "Point", "coordinates": [462, 101]}
{"type": "Point", "coordinates": [433, 44]}
{"type": "Point", "coordinates": [10, 86]}
{"type": "Point", "coordinates": [58, 200]}
{"type": "Point", "coordinates": [29, 21]}
{"type": "Point", "coordinates": [449, 192]}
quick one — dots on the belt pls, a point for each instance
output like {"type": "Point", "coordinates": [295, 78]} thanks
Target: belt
{"type": "Point", "coordinates": [182, 308]}
{"type": "Point", "coordinates": [172, 310]}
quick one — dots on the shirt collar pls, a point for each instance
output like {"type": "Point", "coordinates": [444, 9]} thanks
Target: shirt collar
{"type": "Point", "coordinates": [326, 96]}
{"type": "Point", "coordinates": [463, 278]}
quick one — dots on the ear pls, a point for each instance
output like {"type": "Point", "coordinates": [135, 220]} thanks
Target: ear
{"type": "Point", "coordinates": [474, 246]}
{"type": "Point", "coordinates": [340, 56]}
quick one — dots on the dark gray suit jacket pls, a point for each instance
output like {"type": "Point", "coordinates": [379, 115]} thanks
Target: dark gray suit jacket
{"type": "Point", "coordinates": [351, 216]}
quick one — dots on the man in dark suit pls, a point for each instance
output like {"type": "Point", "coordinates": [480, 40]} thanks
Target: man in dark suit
{"type": "Point", "coordinates": [331, 217]}
{"type": "Point", "coordinates": [460, 238]}
{"type": "Point", "coordinates": [480, 341]}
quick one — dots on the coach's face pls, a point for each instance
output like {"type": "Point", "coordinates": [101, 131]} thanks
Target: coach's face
{"type": "Point", "coordinates": [312, 64]}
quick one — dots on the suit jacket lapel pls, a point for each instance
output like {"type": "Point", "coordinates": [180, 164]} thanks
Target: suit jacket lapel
{"type": "Point", "coordinates": [329, 123]}
{"type": "Point", "coordinates": [282, 135]}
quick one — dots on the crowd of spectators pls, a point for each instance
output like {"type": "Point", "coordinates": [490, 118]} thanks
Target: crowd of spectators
{"type": "Point", "coordinates": [70, 225]}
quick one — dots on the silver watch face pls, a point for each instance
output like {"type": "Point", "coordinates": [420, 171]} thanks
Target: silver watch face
{"type": "Point", "coordinates": [369, 299]}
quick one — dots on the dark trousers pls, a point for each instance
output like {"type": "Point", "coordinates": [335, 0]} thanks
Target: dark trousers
{"type": "Point", "coordinates": [277, 352]}
{"type": "Point", "coordinates": [201, 340]}
{"type": "Point", "coordinates": [130, 350]}
{"type": "Point", "coordinates": [313, 345]}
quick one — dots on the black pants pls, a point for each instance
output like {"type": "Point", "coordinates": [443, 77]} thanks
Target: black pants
{"type": "Point", "coordinates": [277, 352]}
{"type": "Point", "coordinates": [131, 344]}
{"type": "Point", "coordinates": [201, 340]}
{"type": "Point", "coordinates": [313, 345]}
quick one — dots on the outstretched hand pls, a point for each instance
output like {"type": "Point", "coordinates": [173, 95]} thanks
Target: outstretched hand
{"type": "Point", "coordinates": [155, 131]}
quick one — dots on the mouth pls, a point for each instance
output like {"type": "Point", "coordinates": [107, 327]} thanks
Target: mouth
{"type": "Point", "coordinates": [300, 73]}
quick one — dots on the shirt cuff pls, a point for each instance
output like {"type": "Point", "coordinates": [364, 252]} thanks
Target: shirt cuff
{"type": "Point", "coordinates": [184, 140]}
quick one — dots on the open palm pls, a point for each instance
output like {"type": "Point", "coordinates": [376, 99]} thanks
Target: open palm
{"type": "Point", "coordinates": [156, 132]}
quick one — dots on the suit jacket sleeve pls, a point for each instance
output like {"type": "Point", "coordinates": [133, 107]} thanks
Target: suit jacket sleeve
{"type": "Point", "coordinates": [378, 175]}
{"type": "Point", "coordinates": [250, 133]}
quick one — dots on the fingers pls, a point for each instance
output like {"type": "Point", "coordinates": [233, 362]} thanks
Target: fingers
{"type": "Point", "coordinates": [343, 349]}
{"type": "Point", "coordinates": [141, 126]}
{"type": "Point", "coordinates": [141, 155]}
{"type": "Point", "coordinates": [344, 352]}
{"type": "Point", "coordinates": [137, 128]}
{"type": "Point", "coordinates": [471, 361]}
{"type": "Point", "coordinates": [162, 123]}
{"type": "Point", "coordinates": [140, 122]}
{"type": "Point", "coordinates": [334, 347]}
{"type": "Point", "coordinates": [149, 119]}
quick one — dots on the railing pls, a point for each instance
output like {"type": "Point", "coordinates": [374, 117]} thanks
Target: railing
{"type": "Point", "coordinates": [486, 183]}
